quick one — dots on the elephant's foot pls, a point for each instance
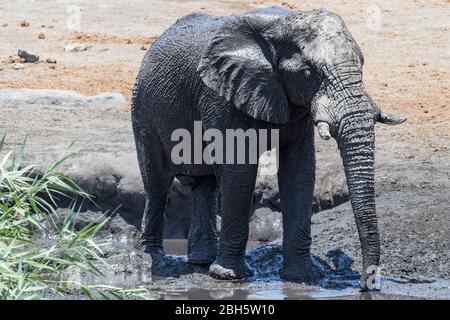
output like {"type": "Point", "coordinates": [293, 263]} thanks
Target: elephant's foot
{"type": "Point", "coordinates": [203, 251]}
{"type": "Point", "coordinates": [303, 269]}
{"type": "Point", "coordinates": [230, 269]}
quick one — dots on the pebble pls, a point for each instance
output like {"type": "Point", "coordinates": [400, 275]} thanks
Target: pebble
{"type": "Point", "coordinates": [28, 56]}
{"type": "Point", "coordinates": [41, 36]}
{"type": "Point", "coordinates": [75, 47]}
{"type": "Point", "coordinates": [50, 60]}
{"type": "Point", "coordinates": [24, 24]}
{"type": "Point", "coordinates": [18, 66]}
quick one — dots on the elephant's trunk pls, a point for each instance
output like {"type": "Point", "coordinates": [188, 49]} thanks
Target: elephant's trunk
{"type": "Point", "coordinates": [356, 141]}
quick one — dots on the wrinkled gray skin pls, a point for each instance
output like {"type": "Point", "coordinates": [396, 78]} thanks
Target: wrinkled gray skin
{"type": "Point", "coordinates": [267, 69]}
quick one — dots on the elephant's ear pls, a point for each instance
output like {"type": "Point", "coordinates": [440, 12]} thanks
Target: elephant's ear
{"type": "Point", "coordinates": [238, 64]}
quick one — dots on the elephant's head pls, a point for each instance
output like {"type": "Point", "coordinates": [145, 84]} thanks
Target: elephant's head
{"type": "Point", "coordinates": [268, 65]}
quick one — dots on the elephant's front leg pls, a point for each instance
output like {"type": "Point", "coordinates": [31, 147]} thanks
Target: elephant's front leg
{"type": "Point", "coordinates": [237, 188]}
{"type": "Point", "coordinates": [296, 185]}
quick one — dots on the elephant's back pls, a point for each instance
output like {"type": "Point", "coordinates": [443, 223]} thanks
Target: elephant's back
{"type": "Point", "coordinates": [169, 68]}
{"type": "Point", "coordinates": [192, 30]}
{"type": "Point", "coordinates": [183, 43]}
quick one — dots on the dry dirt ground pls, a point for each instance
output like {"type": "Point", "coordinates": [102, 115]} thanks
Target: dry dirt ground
{"type": "Point", "coordinates": [406, 71]}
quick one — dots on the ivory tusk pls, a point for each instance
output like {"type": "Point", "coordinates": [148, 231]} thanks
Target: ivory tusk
{"type": "Point", "coordinates": [389, 118]}
{"type": "Point", "coordinates": [324, 130]}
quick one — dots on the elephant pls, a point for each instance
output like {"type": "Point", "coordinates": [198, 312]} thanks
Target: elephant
{"type": "Point", "coordinates": [272, 69]}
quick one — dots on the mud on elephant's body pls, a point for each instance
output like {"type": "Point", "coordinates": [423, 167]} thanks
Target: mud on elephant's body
{"type": "Point", "coordinates": [267, 69]}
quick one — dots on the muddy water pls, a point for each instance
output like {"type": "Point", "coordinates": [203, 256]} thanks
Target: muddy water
{"type": "Point", "coordinates": [266, 284]}
{"type": "Point", "coordinates": [390, 290]}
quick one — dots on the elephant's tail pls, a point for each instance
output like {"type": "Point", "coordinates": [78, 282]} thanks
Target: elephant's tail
{"type": "Point", "coordinates": [134, 96]}
{"type": "Point", "coordinates": [136, 111]}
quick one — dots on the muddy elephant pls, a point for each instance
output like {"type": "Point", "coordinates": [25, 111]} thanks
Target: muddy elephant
{"type": "Point", "coordinates": [268, 69]}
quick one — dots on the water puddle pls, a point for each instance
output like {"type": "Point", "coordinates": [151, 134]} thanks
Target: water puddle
{"type": "Point", "coordinates": [391, 290]}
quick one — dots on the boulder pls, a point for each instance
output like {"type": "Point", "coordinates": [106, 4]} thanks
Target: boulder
{"type": "Point", "coordinates": [59, 98]}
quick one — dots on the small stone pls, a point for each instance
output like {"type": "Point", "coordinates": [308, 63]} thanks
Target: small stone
{"type": "Point", "coordinates": [50, 60]}
{"type": "Point", "coordinates": [18, 66]}
{"type": "Point", "coordinates": [144, 48]}
{"type": "Point", "coordinates": [288, 5]}
{"type": "Point", "coordinates": [75, 47]}
{"type": "Point", "coordinates": [41, 36]}
{"type": "Point", "coordinates": [28, 56]}
{"type": "Point", "coordinates": [24, 23]}
{"type": "Point", "coordinates": [129, 41]}
{"type": "Point", "coordinates": [52, 67]}
{"type": "Point", "coordinates": [4, 25]}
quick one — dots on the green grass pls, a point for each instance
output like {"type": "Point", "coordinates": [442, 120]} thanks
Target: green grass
{"type": "Point", "coordinates": [38, 246]}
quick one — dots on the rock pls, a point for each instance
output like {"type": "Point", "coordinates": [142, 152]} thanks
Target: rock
{"type": "Point", "coordinates": [24, 24]}
{"type": "Point", "coordinates": [28, 56]}
{"type": "Point", "coordinates": [41, 36]}
{"type": "Point", "coordinates": [50, 60]}
{"type": "Point", "coordinates": [18, 66]}
{"type": "Point", "coordinates": [4, 25]}
{"type": "Point", "coordinates": [266, 225]}
{"type": "Point", "coordinates": [59, 98]}
{"type": "Point", "coordinates": [75, 47]}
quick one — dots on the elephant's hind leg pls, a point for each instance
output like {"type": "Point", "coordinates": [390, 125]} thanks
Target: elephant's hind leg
{"type": "Point", "coordinates": [202, 238]}
{"type": "Point", "coordinates": [157, 180]}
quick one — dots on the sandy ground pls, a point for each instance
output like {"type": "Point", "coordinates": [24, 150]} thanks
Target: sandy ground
{"type": "Point", "coordinates": [407, 71]}
{"type": "Point", "coordinates": [407, 55]}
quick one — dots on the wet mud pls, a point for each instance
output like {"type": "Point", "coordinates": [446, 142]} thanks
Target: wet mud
{"type": "Point", "coordinates": [173, 278]}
